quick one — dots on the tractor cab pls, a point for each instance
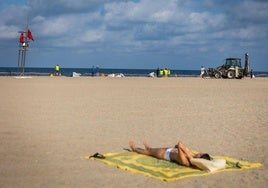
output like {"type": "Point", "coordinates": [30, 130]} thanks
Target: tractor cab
{"type": "Point", "coordinates": [233, 62]}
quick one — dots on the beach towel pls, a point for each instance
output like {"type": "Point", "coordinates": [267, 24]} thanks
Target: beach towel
{"type": "Point", "coordinates": [164, 170]}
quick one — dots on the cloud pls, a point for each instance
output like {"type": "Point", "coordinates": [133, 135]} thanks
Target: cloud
{"type": "Point", "coordinates": [143, 11]}
{"type": "Point", "coordinates": [120, 27]}
{"type": "Point", "coordinates": [10, 21]}
{"type": "Point", "coordinates": [252, 11]}
{"type": "Point", "coordinates": [52, 7]}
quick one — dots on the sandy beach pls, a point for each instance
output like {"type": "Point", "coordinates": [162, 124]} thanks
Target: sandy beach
{"type": "Point", "coordinates": [48, 124]}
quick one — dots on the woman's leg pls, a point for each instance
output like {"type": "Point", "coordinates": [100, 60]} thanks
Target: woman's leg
{"type": "Point", "coordinates": [138, 150]}
{"type": "Point", "coordinates": [158, 153]}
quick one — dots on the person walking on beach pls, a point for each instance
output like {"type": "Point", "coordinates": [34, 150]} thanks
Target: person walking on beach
{"type": "Point", "coordinates": [179, 154]}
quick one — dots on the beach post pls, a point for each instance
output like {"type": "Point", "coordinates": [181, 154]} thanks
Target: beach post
{"type": "Point", "coordinates": [22, 51]}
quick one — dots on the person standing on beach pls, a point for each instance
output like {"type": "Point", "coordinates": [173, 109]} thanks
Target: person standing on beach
{"type": "Point", "coordinates": [57, 70]}
{"type": "Point", "coordinates": [179, 154]}
{"type": "Point", "coordinates": [92, 70]}
{"type": "Point", "coordinates": [251, 73]}
{"type": "Point", "coordinates": [202, 72]}
{"type": "Point", "coordinates": [157, 72]}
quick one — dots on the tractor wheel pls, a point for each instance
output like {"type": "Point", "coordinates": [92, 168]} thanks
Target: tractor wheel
{"type": "Point", "coordinates": [217, 75]}
{"type": "Point", "coordinates": [231, 74]}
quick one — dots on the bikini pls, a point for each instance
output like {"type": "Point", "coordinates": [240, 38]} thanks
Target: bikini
{"type": "Point", "coordinates": [167, 154]}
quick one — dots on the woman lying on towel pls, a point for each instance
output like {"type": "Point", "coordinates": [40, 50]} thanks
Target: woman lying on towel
{"type": "Point", "coordinates": [179, 154]}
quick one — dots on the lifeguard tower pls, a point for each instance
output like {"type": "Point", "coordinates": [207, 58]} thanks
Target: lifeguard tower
{"type": "Point", "coordinates": [25, 36]}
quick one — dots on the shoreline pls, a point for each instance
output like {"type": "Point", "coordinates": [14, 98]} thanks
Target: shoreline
{"type": "Point", "coordinates": [12, 71]}
{"type": "Point", "coordinates": [6, 74]}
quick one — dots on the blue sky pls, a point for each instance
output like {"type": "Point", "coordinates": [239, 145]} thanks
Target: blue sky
{"type": "Point", "coordinates": [178, 34]}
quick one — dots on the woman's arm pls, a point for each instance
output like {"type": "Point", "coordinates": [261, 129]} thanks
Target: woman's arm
{"type": "Point", "coordinates": [189, 154]}
{"type": "Point", "coordinates": [184, 155]}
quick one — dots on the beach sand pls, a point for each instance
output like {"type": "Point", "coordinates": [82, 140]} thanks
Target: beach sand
{"type": "Point", "coordinates": [48, 124]}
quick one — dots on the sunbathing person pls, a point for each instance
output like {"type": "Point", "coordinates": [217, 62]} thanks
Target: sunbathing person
{"type": "Point", "coordinates": [179, 154]}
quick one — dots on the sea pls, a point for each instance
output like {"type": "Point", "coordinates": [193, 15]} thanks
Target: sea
{"type": "Point", "coordinates": [35, 71]}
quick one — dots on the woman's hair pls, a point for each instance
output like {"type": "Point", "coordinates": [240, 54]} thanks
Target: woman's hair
{"type": "Point", "coordinates": [205, 156]}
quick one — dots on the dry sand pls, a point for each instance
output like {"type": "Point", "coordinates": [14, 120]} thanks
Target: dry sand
{"type": "Point", "coordinates": [47, 124]}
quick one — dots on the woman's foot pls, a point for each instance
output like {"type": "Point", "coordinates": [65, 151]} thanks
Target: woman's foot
{"type": "Point", "coordinates": [146, 145]}
{"type": "Point", "coordinates": [132, 146]}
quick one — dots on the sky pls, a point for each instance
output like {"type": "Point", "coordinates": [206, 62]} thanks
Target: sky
{"type": "Point", "coordinates": [135, 34]}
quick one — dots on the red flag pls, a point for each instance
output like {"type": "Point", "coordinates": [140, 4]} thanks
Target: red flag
{"type": "Point", "coordinates": [22, 38]}
{"type": "Point", "coordinates": [29, 35]}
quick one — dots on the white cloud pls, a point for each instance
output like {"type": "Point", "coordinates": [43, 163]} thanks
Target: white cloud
{"type": "Point", "coordinates": [143, 11]}
{"type": "Point", "coordinates": [92, 36]}
{"type": "Point", "coordinates": [55, 26]}
{"type": "Point", "coordinates": [153, 26]}
{"type": "Point", "coordinates": [8, 32]}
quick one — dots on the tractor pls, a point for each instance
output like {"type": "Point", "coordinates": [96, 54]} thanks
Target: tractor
{"type": "Point", "coordinates": [230, 69]}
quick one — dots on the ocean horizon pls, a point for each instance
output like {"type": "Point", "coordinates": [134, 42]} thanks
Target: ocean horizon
{"type": "Point", "coordinates": [43, 71]}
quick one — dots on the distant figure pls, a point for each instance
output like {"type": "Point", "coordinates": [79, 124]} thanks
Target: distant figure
{"type": "Point", "coordinates": [179, 153]}
{"type": "Point", "coordinates": [157, 72]}
{"type": "Point", "coordinates": [165, 72]}
{"type": "Point", "coordinates": [251, 74]}
{"type": "Point", "coordinates": [57, 70]}
{"type": "Point", "coordinates": [161, 72]}
{"type": "Point", "coordinates": [92, 71]}
{"type": "Point", "coordinates": [202, 74]}
{"type": "Point", "coordinates": [97, 71]}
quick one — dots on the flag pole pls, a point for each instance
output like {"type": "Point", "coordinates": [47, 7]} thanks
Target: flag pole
{"type": "Point", "coordinates": [21, 54]}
